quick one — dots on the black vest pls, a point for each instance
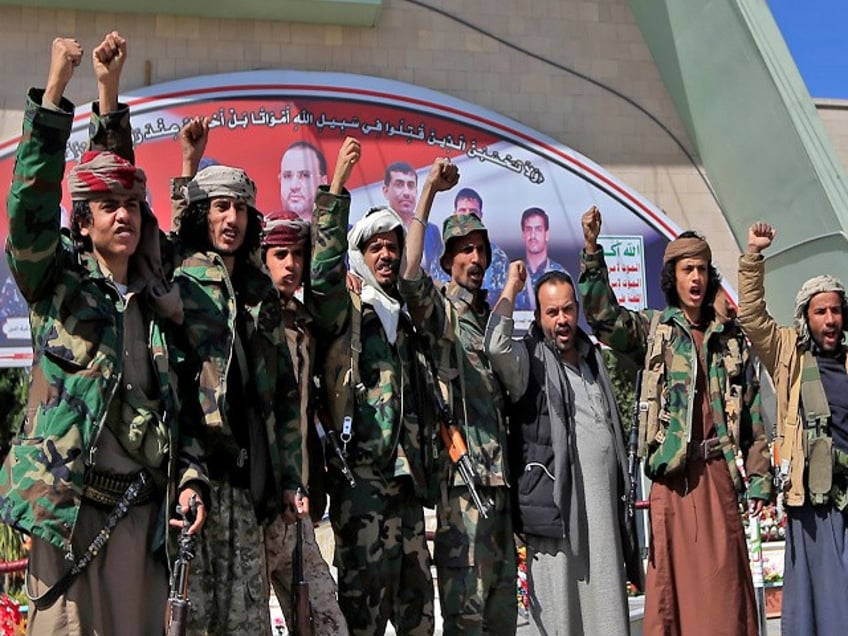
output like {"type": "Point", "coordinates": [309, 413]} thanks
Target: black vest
{"type": "Point", "coordinates": [532, 455]}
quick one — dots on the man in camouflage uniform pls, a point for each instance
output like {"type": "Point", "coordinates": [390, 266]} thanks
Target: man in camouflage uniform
{"type": "Point", "coordinates": [95, 454]}
{"type": "Point", "coordinates": [808, 364]}
{"type": "Point", "coordinates": [285, 252]}
{"type": "Point", "coordinates": [704, 412]}
{"type": "Point", "coordinates": [475, 556]}
{"type": "Point", "coordinates": [378, 401]}
{"type": "Point", "coordinates": [469, 201]}
{"type": "Point", "coordinates": [244, 403]}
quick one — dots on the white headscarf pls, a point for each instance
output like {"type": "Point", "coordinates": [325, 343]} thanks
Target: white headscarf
{"type": "Point", "coordinates": [376, 221]}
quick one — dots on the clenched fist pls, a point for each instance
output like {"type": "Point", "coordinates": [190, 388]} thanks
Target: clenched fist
{"type": "Point", "coordinates": [760, 236]}
{"type": "Point", "coordinates": [65, 56]}
{"type": "Point", "coordinates": [591, 224]}
{"type": "Point", "coordinates": [516, 276]}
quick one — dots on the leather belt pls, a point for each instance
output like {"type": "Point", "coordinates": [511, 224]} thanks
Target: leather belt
{"type": "Point", "coordinates": [704, 450]}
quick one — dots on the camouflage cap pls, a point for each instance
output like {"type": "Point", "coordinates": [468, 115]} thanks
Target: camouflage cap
{"type": "Point", "coordinates": [458, 226]}
{"type": "Point", "coordinates": [221, 181]}
{"type": "Point", "coordinates": [100, 173]}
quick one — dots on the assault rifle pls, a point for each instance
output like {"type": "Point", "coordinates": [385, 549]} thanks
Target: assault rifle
{"type": "Point", "coordinates": [458, 451]}
{"type": "Point", "coordinates": [633, 447]}
{"type": "Point", "coordinates": [178, 602]}
{"type": "Point", "coordinates": [300, 588]}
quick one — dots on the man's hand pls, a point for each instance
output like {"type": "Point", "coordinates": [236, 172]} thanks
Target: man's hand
{"type": "Point", "coordinates": [295, 506]}
{"type": "Point", "coordinates": [354, 283]}
{"type": "Point", "coordinates": [760, 236]}
{"type": "Point", "coordinates": [348, 156]}
{"type": "Point", "coordinates": [443, 175]}
{"type": "Point", "coordinates": [516, 277]}
{"type": "Point", "coordinates": [185, 502]}
{"type": "Point", "coordinates": [193, 139]}
{"type": "Point", "coordinates": [591, 223]}
{"type": "Point", "coordinates": [65, 56]}
{"type": "Point", "coordinates": [108, 58]}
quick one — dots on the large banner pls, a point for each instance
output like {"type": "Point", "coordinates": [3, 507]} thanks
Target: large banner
{"type": "Point", "coordinates": [285, 129]}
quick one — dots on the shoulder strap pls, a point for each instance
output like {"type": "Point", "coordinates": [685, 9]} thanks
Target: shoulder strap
{"type": "Point", "coordinates": [446, 372]}
{"type": "Point", "coordinates": [356, 344]}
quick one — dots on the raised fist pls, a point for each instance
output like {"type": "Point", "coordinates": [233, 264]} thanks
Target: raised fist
{"type": "Point", "coordinates": [348, 156]}
{"type": "Point", "coordinates": [591, 223]}
{"type": "Point", "coordinates": [108, 58]}
{"type": "Point", "coordinates": [443, 174]}
{"type": "Point", "coordinates": [66, 55]}
{"type": "Point", "coordinates": [516, 276]}
{"type": "Point", "coordinates": [760, 236]}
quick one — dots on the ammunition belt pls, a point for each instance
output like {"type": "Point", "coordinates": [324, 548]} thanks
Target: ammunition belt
{"type": "Point", "coordinates": [109, 488]}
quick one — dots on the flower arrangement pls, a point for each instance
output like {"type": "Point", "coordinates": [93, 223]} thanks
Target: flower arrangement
{"type": "Point", "coordinates": [521, 592]}
{"type": "Point", "coordinates": [12, 619]}
{"type": "Point", "coordinates": [772, 575]}
{"type": "Point", "coordinates": [13, 547]}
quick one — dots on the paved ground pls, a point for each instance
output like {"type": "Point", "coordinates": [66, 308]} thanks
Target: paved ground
{"type": "Point", "coordinates": [325, 541]}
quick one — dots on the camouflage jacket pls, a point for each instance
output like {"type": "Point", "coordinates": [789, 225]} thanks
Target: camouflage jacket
{"type": "Point", "coordinates": [211, 306]}
{"type": "Point", "coordinates": [76, 317]}
{"type": "Point", "coordinates": [626, 331]}
{"type": "Point", "coordinates": [454, 334]}
{"type": "Point", "coordinates": [392, 420]}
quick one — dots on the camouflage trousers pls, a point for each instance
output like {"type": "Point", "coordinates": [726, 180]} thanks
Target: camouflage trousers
{"type": "Point", "coordinates": [280, 539]}
{"type": "Point", "coordinates": [381, 555]}
{"type": "Point", "coordinates": [476, 564]}
{"type": "Point", "coordinates": [228, 587]}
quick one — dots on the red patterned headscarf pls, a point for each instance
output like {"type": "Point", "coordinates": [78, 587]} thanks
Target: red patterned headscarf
{"type": "Point", "coordinates": [101, 173]}
{"type": "Point", "coordinates": [283, 229]}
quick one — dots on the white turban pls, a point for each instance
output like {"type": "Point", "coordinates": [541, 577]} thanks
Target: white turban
{"type": "Point", "coordinates": [376, 221]}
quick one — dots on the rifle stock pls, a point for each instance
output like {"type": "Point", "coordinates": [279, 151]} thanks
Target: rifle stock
{"type": "Point", "coordinates": [300, 589]}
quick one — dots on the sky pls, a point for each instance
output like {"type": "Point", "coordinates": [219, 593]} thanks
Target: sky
{"type": "Point", "coordinates": [814, 31]}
